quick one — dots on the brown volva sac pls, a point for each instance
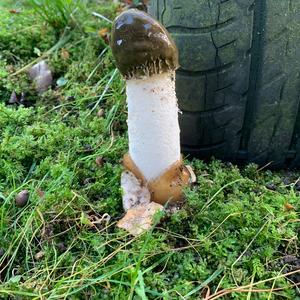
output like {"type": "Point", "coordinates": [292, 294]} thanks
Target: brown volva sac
{"type": "Point", "coordinates": [167, 187]}
{"type": "Point", "coordinates": [141, 45]}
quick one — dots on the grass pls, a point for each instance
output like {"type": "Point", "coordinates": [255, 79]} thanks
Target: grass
{"type": "Point", "coordinates": [236, 237]}
{"type": "Point", "coordinates": [58, 13]}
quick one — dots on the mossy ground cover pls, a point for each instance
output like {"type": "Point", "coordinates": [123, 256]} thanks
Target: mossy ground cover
{"type": "Point", "coordinates": [236, 236]}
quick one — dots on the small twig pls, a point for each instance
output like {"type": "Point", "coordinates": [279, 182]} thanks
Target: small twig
{"type": "Point", "coordinates": [241, 290]}
{"type": "Point", "coordinates": [245, 288]}
{"type": "Point", "coordinates": [265, 166]}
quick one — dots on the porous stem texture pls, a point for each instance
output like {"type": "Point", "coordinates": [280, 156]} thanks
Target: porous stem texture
{"type": "Point", "coordinates": [153, 129]}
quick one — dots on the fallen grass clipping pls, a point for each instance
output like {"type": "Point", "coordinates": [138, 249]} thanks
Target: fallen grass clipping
{"type": "Point", "coordinates": [236, 236]}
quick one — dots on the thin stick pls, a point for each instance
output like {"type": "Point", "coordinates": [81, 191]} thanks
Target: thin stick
{"type": "Point", "coordinates": [246, 287]}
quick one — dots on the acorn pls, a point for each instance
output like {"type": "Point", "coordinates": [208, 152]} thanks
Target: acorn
{"type": "Point", "coordinates": [22, 198]}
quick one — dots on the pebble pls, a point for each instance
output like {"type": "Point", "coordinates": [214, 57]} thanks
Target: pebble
{"type": "Point", "coordinates": [41, 75]}
{"type": "Point", "coordinates": [22, 198]}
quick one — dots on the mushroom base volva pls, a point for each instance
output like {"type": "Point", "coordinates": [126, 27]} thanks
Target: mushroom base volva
{"type": "Point", "coordinates": [168, 187]}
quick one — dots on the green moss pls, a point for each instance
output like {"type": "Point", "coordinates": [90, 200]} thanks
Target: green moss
{"type": "Point", "coordinates": [231, 231]}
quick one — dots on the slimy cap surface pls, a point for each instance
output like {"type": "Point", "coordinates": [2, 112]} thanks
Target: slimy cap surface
{"type": "Point", "coordinates": [141, 45]}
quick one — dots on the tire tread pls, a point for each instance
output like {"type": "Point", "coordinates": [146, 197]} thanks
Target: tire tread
{"type": "Point", "coordinates": [239, 82]}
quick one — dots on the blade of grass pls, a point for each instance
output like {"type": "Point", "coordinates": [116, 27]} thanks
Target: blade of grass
{"type": "Point", "coordinates": [140, 290]}
{"type": "Point", "coordinates": [101, 17]}
{"type": "Point", "coordinates": [205, 283]}
{"type": "Point", "coordinates": [210, 201]}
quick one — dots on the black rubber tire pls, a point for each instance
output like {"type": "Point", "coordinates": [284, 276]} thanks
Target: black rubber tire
{"type": "Point", "coordinates": [239, 81]}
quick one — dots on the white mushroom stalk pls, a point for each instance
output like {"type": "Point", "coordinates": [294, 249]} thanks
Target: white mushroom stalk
{"type": "Point", "coordinates": [147, 57]}
{"type": "Point", "coordinates": [153, 128]}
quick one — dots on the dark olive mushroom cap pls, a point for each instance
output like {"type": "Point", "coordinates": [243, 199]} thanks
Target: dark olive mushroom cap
{"type": "Point", "coordinates": [141, 45]}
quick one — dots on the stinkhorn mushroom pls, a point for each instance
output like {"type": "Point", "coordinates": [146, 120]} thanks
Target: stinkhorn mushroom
{"type": "Point", "coordinates": [147, 58]}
